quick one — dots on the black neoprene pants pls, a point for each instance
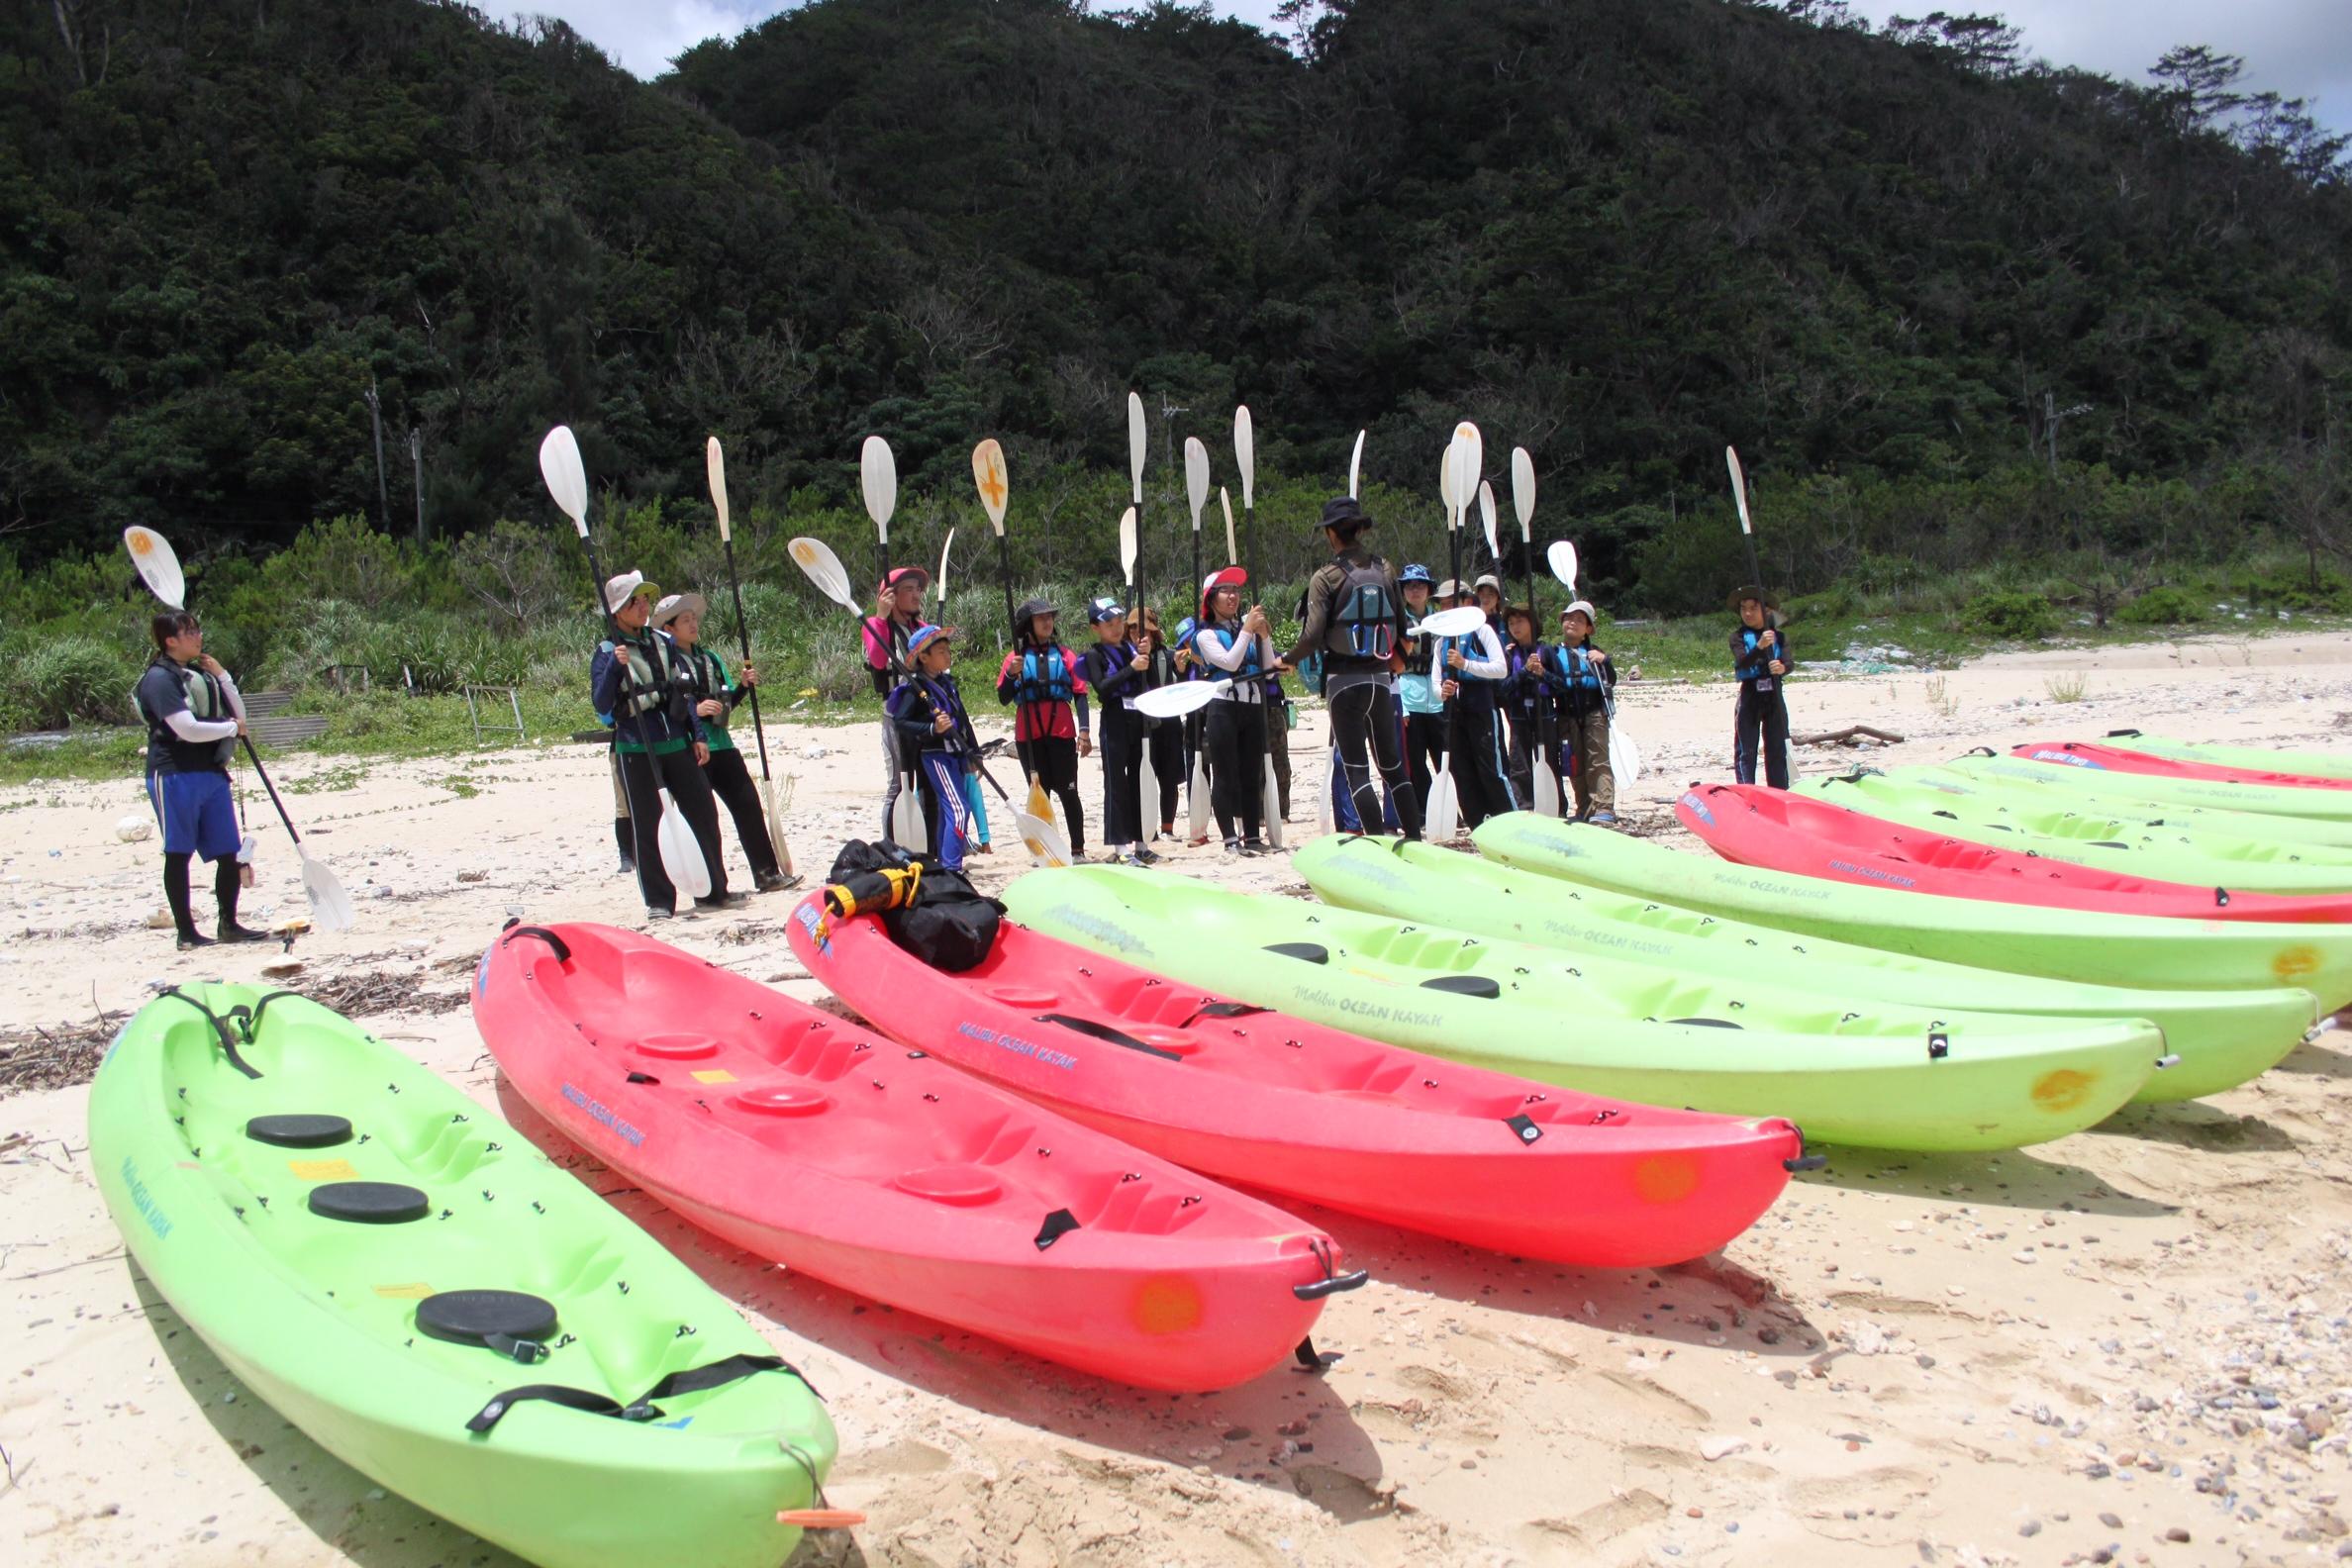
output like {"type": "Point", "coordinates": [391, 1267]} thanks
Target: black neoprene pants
{"type": "Point", "coordinates": [1364, 727]}
{"type": "Point", "coordinates": [646, 776]}
{"type": "Point", "coordinates": [732, 782]}
{"type": "Point", "coordinates": [1236, 743]}
{"type": "Point", "coordinates": [1053, 762]}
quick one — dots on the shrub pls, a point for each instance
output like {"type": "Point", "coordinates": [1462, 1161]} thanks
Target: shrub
{"type": "Point", "coordinates": [51, 682]}
{"type": "Point", "coordinates": [2019, 616]}
{"type": "Point", "coordinates": [2165, 607]}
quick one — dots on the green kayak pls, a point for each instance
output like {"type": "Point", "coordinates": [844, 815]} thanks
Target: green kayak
{"type": "Point", "coordinates": [2221, 1037]}
{"type": "Point", "coordinates": [2202, 857]}
{"type": "Point", "coordinates": [402, 1276]}
{"type": "Point", "coordinates": [2068, 944]}
{"type": "Point", "coordinates": [2276, 800]}
{"type": "Point", "coordinates": [1845, 1070]}
{"type": "Point", "coordinates": [2033, 786]}
{"type": "Point", "coordinates": [2319, 764]}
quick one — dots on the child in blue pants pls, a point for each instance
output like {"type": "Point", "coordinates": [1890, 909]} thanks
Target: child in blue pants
{"type": "Point", "coordinates": [927, 713]}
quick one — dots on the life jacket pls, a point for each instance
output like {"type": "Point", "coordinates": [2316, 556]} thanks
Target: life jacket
{"type": "Point", "coordinates": [1526, 666]}
{"type": "Point", "coordinates": [1575, 669]}
{"type": "Point", "coordinates": [1044, 677]}
{"type": "Point", "coordinates": [661, 676]}
{"type": "Point", "coordinates": [1364, 614]}
{"type": "Point", "coordinates": [886, 636]}
{"type": "Point", "coordinates": [1251, 664]}
{"type": "Point", "coordinates": [1423, 661]}
{"type": "Point", "coordinates": [207, 701]}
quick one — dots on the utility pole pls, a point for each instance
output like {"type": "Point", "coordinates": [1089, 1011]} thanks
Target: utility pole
{"type": "Point", "coordinates": [375, 416]}
{"type": "Point", "coordinates": [417, 460]}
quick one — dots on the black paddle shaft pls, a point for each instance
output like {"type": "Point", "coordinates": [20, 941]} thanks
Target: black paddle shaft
{"type": "Point", "coordinates": [735, 586]}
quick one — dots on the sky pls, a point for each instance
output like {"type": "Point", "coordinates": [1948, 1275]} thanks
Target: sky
{"type": "Point", "coordinates": [2297, 48]}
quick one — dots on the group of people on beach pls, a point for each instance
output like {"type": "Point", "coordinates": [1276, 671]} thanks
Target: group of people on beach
{"type": "Point", "coordinates": [1489, 707]}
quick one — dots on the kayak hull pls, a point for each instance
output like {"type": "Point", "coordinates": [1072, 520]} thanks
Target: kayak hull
{"type": "Point", "coordinates": [317, 1315]}
{"type": "Point", "coordinates": [2312, 764]}
{"type": "Point", "coordinates": [1890, 1078]}
{"type": "Point", "coordinates": [2221, 1037]}
{"type": "Point", "coordinates": [2067, 944]}
{"type": "Point", "coordinates": [2062, 766]}
{"type": "Point", "coordinates": [1296, 1108]}
{"type": "Point", "coordinates": [2094, 754]}
{"type": "Point", "coordinates": [795, 1135]}
{"type": "Point", "coordinates": [1785, 831]}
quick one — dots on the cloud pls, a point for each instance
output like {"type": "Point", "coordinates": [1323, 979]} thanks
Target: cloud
{"type": "Point", "coordinates": [644, 36]}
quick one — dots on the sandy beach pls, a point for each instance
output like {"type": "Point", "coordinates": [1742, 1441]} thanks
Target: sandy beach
{"type": "Point", "coordinates": [2130, 1345]}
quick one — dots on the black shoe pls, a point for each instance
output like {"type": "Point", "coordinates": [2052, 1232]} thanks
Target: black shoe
{"type": "Point", "coordinates": [1148, 858]}
{"type": "Point", "coordinates": [627, 864]}
{"type": "Point", "coordinates": [1232, 846]}
{"type": "Point", "coordinates": [1255, 846]}
{"type": "Point", "coordinates": [724, 901]}
{"type": "Point", "coordinates": [234, 932]}
{"type": "Point", "coordinates": [189, 941]}
{"type": "Point", "coordinates": [773, 882]}
{"type": "Point", "coordinates": [654, 912]}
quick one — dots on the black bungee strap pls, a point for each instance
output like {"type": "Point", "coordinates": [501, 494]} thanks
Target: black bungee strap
{"type": "Point", "coordinates": [1332, 1283]}
{"type": "Point", "coordinates": [694, 1380]}
{"type": "Point", "coordinates": [1105, 1032]}
{"type": "Point", "coordinates": [1220, 1010]}
{"type": "Point", "coordinates": [563, 948]}
{"type": "Point", "coordinates": [249, 1020]}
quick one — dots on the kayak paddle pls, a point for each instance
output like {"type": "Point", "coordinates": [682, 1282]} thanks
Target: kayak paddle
{"type": "Point", "coordinates": [1146, 780]}
{"type": "Point", "coordinates": [1545, 782]}
{"type": "Point", "coordinates": [715, 462]}
{"type": "Point", "coordinates": [159, 568]}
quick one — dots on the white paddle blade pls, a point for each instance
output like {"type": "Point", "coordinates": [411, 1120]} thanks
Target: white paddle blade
{"type": "Point", "coordinates": [1624, 757]}
{"type": "Point", "coordinates": [988, 474]}
{"type": "Point", "coordinates": [1127, 545]}
{"type": "Point", "coordinates": [1196, 476]}
{"type": "Point", "coordinates": [681, 852]}
{"type": "Point", "coordinates": [1355, 468]}
{"type": "Point", "coordinates": [1445, 485]}
{"type": "Point", "coordinates": [1245, 455]}
{"type": "Point", "coordinates": [1232, 554]}
{"type": "Point", "coordinates": [1196, 797]}
{"type": "Point", "coordinates": [1270, 807]}
{"type": "Point", "coordinates": [905, 819]}
{"type": "Point", "coordinates": [1335, 780]}
{"type": "Point", "coordinates": [1486, 514]}
{"type": "Point", "coordinates": [1135, 440]}
{"type": "Point", "coordinates": [1562, 559]}
{"type": "Point", "coordinates": [1523, 488]}
{"type": "Point", "coordinates": [1043, 840]}
{"type": "Point", "coordinates": [1458, 621]}
{"type": "Point", "coordinates": [714, 462]}
{"type": "Point", "coordinates": [1181, 700]}
{"type": "Point", "coordinates": [566, 475]}
{"type": "Point", "coordinates": [821, 566]}
{"type": "Point", "coordinates": [158, 567]}
{"type": "Point", "coordinates": [1147, 792]}
{"type": "Point", "coordinates": [1469, 464]}
{"type": "Point", "coordinates": [329, 905]}
{"type": "Point", "coordinates": [772, 806]}
{"type": "Point", "coordinates": [1547, 789]}
{"type": "Point", "coordinates": [944, 553]}
{"type": "Point", "coordinates": [1738, 488]}
{"type": "Point", "coordinates": [877, 479]}
{"type": "Point", "coordinates": [1445, 815]}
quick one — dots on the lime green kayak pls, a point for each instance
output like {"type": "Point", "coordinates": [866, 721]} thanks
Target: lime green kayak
{"type": "Point", "coordinates": [2029, 785]}
{"type": "Point", "coordinates": [2158, 952]}
{"type": "Point", "coordinates": [2221, 1037]}
{"type": "Point", "coordinates": [2319, 764]}
{"type": "Point", "coordinates": [2168, 854]}
{"type": "Point", "coordinates": [402, 1276]}
{"type": "Point", "coordinates": [2276, 800]}
{"type": "Point", "coordinates": [1845, 1070]}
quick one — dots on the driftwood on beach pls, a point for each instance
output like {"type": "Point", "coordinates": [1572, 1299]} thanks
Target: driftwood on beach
{"type": "Point", "coordinates": [1851, 735]}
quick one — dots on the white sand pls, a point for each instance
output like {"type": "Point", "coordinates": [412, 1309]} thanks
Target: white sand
{"type": "Point", "coordinates": [1910, 1360]}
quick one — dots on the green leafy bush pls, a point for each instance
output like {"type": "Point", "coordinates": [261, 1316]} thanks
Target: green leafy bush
{"type": "Point", "coordinates": [2165, 607]}
{"type": "Point", "coordinates": [2018, 617]}
{"type": "Point", "coordinates": [47, 683]}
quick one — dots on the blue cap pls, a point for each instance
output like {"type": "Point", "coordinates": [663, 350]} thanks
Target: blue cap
{"type": "Point", "coordinates": [924, 637]}
{"type": "Point", "coordinates": [1184, 632]}
{"type": "Point", "coordinates": [1102, 610]}
{"type": "Point", "coordinates": [1415, 572]}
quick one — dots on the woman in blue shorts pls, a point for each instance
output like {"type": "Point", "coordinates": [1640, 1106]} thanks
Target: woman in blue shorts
{"type": "Point", "coordinates": [194, 716]}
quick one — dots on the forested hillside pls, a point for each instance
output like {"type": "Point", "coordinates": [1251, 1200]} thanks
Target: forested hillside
{"type": "Point", "coordinates": [1622, 233]}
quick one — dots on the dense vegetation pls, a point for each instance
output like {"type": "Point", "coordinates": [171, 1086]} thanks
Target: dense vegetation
{"type": "Point", "coordinates": [1622, 233]}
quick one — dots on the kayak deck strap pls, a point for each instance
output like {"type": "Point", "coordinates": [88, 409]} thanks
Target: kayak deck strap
{"type": "Point", "coordinates": [1107, 1033]}
{"type": "Point", "coordinates": [693, 1379]}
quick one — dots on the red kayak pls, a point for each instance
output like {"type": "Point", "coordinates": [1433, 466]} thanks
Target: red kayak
{"type": "Point", "coordinates": [1314, 1113]}
{"type": "Point", "coordinates": [2118, 759]}
{"type": "Point", "coordinates": [804, 1139]}
{"type": "Point", "coordinates": [1797, 834]}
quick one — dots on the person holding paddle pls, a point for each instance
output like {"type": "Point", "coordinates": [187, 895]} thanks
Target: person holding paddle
{"type": "Point", "coordinates": [1526, 691]}
{"type": "Point", "coordinates": [1759, 658]}
{"type": "Point", "coordinates": [714, 700]}
{"type": "Point", "coordinates": [1165, 740]}
{"type": "Point", "coordinates": [1585, 680]}
{"type": "Point", "coordinates": [1355, 619]}
{"type": "Point", "coordinates": [927, 713]}
{"type": "Point", "coordinates": [194, 716]}
{"type": "Point", "coordinates": [1473, 671]}
{"type": "Point", "coordinates": [885, 635]}
{"type": "Point", "coordinates": [1417, 687]}
{"type": "Point", "coordinates": [1118, 671]}
{"type": "Point", "coordinates": [1242, 646]}
{"type": "Point", "coordinates": [643, 679]}
{"type": "Point", "coordinates": [1051, 727]}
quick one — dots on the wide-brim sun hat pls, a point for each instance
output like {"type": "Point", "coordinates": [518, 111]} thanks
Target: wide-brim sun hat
{"type": "Point", "coordinates": [620, 590]}
{"type": "Point", "coordinates": [1345, 514]}
{"type": "Point", "coordinates": [924, 636]}
{"type": "Point", "coordinates": [678, 604]}
{"type": "Point", "coordinates": [1762, 595]}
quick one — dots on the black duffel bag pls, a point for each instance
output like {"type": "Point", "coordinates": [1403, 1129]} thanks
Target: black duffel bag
{"type": "Point", "coordinates": [931, 912]}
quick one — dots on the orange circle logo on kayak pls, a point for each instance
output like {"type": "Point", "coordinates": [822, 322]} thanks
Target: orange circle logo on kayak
{"type": "Point", "coordinates": [1665, 1179]}
{"type": "Point", "coordinates": [1167, 1304]}
{"type": "Point", "coordinates": [2062, 1089]}
{"type": "Point", "coordinates": [2293, 963]}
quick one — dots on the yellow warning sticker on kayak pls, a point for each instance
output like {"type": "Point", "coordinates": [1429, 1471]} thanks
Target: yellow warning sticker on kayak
{"type": "Point", "coordinates": [417, 1292]}
{"type": "Point", "coordinates": [715, 1075]}
{"type": "Point", "coordinates": [321, 1170]}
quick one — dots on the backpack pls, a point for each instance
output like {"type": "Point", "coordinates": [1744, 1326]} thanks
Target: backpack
{"type": "Point", "coordinates": [931, 912]}
{"type": "Point", "coordinates": [1364, 614]}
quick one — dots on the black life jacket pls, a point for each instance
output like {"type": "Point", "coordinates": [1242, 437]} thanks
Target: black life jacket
{"type": "Point", "coordinates": [1364, 614]}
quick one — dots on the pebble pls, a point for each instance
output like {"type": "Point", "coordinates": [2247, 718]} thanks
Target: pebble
{"type": "Point", "coordinates": [1720, 1446]}
{"type": "Point", "coordinates": [2112, 1520]}
{"type": "Point", "coordinates": [2177, 1535]}
{"type": "Point", "coordinates": [2029, 1528]}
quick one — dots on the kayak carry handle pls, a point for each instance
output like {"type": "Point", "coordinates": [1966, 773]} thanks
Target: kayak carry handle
{"type": "Point", "coordinates": [1806, 1163]}
{"type": "Point", "coordinates": [1333, 1286]}
{"type": "Point", "coordinates": [822, 1518]}
{"type": "Point", "coordinates": [2169, 1059]}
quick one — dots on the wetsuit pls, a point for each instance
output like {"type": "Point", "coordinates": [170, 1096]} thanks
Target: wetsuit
{"type": "Point", "coordinates": [885, 640]}
{"type": "Point", "coordinates": [1050, 715]}
{"type": "Point", "coordinates": [191, 722]}
{"type": "Point", "coordinates": [644, 682]}
{"type": "Point", "coordinates": [1107, 670]}
{"type": "Point", "coordinates": [730, 779]}
{"type": "Point", "coordinates": [1526, 698]}
{"type": "Point", "coordinates": [1481, 772]}
{"type": "Point", "coordinates": [1237, 729]}
{"type": "Point", "coordinates": [1355, 619]}
{"type": "Point", "coordinates": [1763, 712]}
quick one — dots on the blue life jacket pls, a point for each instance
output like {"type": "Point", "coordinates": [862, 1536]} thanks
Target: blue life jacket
{"type": "Point", "coordinates": [1044, 677]}
{"type": "Point", "coordinates": [1230, 633]}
